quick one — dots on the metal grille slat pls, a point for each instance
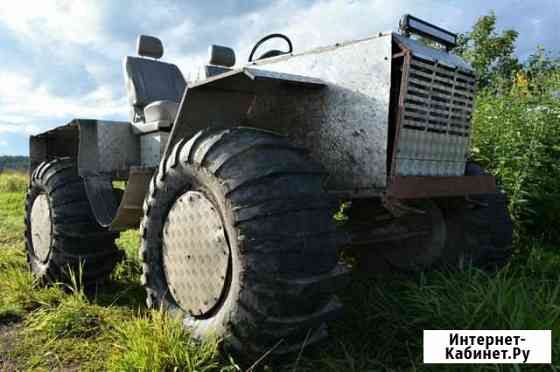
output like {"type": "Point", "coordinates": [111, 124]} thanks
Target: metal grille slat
{"type": "Point", "coordinates": [464, 86]}
{"type": "Point", "coordinates": [442, 69]}
{"type": "Point", "coordinates": [410, 105]}
{"type": "Point", "coordinates": [421, 75]}
{"type": "Point", "coordinates": [416, 116]}
{"type": "Point", "coordinates": [428, 127]}
{"type": "Point", "coordinates": [419, 84]}
{"type": "Point", "coordinates": [444, 81]}
{"type": "Point", "coordinates": [467, 103]}
{"type": "Point", "coordinates": [462, 96]}
{"type": "Point", "coordinates": [435, 123]}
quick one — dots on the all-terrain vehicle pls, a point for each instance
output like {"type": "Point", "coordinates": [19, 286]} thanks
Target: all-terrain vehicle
{"type": "Point", "coordinates": [234, 178]}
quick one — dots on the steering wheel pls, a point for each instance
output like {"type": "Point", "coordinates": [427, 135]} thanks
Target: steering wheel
{"type": "Point", "coordinates": [273, 52]}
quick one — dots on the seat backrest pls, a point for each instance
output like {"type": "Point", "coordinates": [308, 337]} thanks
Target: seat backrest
{"type": "Point", "coordinates": [149, 80]}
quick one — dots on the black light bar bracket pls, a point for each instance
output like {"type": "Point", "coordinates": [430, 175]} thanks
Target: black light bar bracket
{"type": "Point", "coordinates": [412, 25]}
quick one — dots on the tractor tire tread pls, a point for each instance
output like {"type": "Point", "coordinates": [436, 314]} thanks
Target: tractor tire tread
{"type": "Point", "coordinates": [245, 157]}
{"type": "Point", "coordinates": [78, 243]}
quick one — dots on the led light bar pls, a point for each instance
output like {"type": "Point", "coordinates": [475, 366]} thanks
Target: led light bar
{"type": "Point", "coordinates": [412, 25]}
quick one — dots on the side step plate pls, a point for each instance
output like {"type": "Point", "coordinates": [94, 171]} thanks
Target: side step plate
{"type": "Point", "coordinates": [130, 210]}
{"type": "Point", "coordinates": [105, 206]}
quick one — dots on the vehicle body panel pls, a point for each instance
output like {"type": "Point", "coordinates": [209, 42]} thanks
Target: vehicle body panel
{"type": "Point", "coordinates": [345, 126]}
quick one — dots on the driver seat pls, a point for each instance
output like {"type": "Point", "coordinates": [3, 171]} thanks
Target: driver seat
{"type": "Point", "coordinates": [154, 88]}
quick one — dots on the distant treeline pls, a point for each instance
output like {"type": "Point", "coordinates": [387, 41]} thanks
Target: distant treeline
{"type": "Point", "coordinates": [14, 162]}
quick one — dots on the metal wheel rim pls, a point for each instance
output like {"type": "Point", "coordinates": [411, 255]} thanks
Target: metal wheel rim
{"type": "Point", "coordinates": [41, 227]}
{"type": "Point", "coordinates": [196, 253]}
{"type": "Point", "coordinates": [420, 255]}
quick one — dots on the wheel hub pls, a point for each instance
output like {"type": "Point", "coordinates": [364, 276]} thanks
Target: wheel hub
{"type": "Point", "coordinates": [420, 253]}
{"type": "Point", "coordinates": [195, 253]}
{"type": "Point", "coordinates": [41, 228]}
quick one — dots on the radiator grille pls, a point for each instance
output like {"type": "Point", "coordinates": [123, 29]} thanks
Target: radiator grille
{"type": "Point", "coordinates": [436, 120]}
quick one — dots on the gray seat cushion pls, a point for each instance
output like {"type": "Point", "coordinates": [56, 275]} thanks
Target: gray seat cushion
{"type": "Point", "coordinates": [148, 81]}
{"type": "Point", "coordinates": [162, 111]}
{"type": "Point", "coordinates": [149, 46]}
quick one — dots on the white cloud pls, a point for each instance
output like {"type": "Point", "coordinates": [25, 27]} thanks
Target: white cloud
{"type": "Point", "coordinates": [325, 22]}
{"type": "Point", "coordinates": [63, 20]}
{"type": "Point", "coordinates": [3, 143]}
{"type": "Point", "coordinates": [18, 128]}
{"type": "Point", "coordinates": [18, 97]}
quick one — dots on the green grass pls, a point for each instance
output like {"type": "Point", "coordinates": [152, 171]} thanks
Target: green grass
{"type": "Point", "coordinates": [153, 342]}
{"type": "Point", "coordinates": [11, 217]}
{"type": "Point", "coordinates": [12, 181]}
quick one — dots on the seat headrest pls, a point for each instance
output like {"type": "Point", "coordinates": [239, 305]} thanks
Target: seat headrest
{"type": "Point", "coordinates": [149, 46]}
{"type": "Point", "coordinates": [221, 56]}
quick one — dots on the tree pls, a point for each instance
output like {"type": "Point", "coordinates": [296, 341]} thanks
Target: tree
{"type": "Point", "coordinates": [492, 55]}
{"type": "Point", "coordinates": [543, 70]}
{"type": "Point", "coordinates": [14, 162]}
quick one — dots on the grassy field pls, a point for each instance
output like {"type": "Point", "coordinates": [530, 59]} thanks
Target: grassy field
{"type": "Point", "coordinates": [61, 327]}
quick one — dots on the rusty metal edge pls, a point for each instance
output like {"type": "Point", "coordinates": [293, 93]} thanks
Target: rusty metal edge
{"type": "Point", "coordinates": [403, 90]}
{"type": "Point", "coordinates": [417, 187]}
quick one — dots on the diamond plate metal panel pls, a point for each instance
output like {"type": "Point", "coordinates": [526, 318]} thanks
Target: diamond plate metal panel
{"type": "Point", "coordinates": [41, 227]}
{"type": "Point", "coordinates": [195, 253]}
{"type": "Point", "coordinates": [152, 146]}
{"type": "Point", "coordinates": [431, 54]}
{"type": "Point", "coordinates": [118, 147]}
{"type": "Point", "coordinates": [106, 147]}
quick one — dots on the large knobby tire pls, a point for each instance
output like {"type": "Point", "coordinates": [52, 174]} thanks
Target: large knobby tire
{"type": "Point", "coordinates": [238, 241]}
{"type": "Point", "coordinates": [479, 229]}
{"type": "Point", "coordinates": [61, 233]}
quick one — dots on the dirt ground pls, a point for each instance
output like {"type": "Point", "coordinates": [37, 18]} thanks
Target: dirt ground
{"type": "Point", "coordinates": [8, 332]}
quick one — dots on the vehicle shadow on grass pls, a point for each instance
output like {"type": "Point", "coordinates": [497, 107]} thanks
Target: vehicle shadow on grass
{"type": "Point", "coordinates": [362, 339]}
{"type": "Point", "coordinates": [382, 327]}
{"type": "Point", "coordinates": [122, 288]}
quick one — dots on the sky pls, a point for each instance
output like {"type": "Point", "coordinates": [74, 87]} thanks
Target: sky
{"type": "Point", "coordinates": [62, 59]}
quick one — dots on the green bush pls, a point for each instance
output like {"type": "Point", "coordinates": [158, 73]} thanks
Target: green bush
{"type": "Point", "coordinates": [516, 137]}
